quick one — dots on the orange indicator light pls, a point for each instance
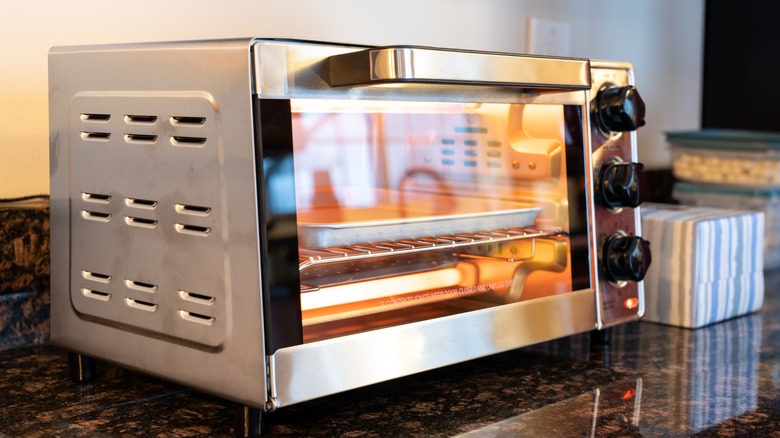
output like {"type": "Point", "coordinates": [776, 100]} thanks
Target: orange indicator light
{"type": "Point", "coordinates": [631, 303]}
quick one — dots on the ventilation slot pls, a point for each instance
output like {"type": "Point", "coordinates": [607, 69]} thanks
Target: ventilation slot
{"type": "Point", "coordinates": [95, 294]}
{"type": "Point", "coordinates": [192, 210]}
{"type": "Point", "coordinates": [196, 298]}
{"type": "Point", "coordinates": [193, 230]}
{"type": "Point", "coordinates": [188, 141]}
{"type": "Point", "coordinates": [140, 138]}
{"type": "Point", "coordinates": [141, 305]}
{"type": "Point", "coordinates": [96, 198]}
{"type": "Point", "coordinates": [95, 136]}
{"type": "Point", "coordinates": [145, 204]}
{"type": "Point", "coordinates": [100, 118]}
{"type": "Point", "coordinates": [141, 286]}
{"type": "Point", "coordinates": [140, 119]}
{"type": "Point", "coordinates": [196, 317]}
{"type": "Point", "coordinates": [140, 222]}
{"type": "Point", "coordinates": [95, 216]}
{"type": "Point", "coordinates": [187, 121]}
{"type": "Point", "coordinates": [96, 277]}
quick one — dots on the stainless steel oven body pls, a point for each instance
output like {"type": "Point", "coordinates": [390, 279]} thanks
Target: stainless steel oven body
{"type": "Point", "coordinates": [273, 221]}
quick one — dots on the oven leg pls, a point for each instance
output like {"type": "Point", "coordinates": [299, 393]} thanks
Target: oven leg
{"type": "Point", "coordinates": [81, 369]}
{"type": "Point", "coordinates": [249, 422]}
{"type": "Point", "coordinates": [601, 337]}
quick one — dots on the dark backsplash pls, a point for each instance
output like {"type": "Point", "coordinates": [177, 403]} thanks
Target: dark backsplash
{"type": "Point", "coordinates": [659, 186]}
{"type": "Point", "coordinates": [24, 274]}
{"type": "Point", "coordinates": [24, 248]}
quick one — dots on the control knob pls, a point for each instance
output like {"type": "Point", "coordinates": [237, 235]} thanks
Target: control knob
{"type": "Point", "coordinates": [621, 184]}
{"type": "Point", "coordinates": [620, 109]}
{"type": "Point", "coordinates": [626, 257]}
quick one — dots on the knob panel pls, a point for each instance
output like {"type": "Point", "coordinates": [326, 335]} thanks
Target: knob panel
{"type": "Point", "coordinates": [618, 183]}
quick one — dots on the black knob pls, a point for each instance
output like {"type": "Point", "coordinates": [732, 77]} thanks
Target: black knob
{"type": "Point", "coordinates": [620, 109]}
{"type": "Point", "coordinates": [621, 184]}
{"type": "Point", "coordinates": [626, 258]}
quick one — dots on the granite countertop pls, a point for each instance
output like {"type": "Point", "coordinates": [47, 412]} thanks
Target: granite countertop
{"type": "Point", "coordinates": [652, 380]}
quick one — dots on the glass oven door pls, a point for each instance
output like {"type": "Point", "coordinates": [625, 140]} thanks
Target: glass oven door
{"type": "Point", "coordinates": [407, 211]}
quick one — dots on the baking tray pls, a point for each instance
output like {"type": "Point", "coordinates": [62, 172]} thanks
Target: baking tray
{"type": "Point", "coordinates": [402, 215]}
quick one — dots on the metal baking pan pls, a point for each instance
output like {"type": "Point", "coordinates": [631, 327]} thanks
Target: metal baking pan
{"type": "Point", "coordinates": [411, 216]}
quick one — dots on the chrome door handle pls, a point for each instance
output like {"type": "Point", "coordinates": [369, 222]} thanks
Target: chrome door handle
{"type": "Point", "coordinates": [408, 64]}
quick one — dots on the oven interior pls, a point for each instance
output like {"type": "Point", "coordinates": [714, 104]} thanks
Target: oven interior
{"type": "Point", "coordinates": [406, 211]}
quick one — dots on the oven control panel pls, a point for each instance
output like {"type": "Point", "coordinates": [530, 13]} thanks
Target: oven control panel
{"type": "Point", "coordinates": [616, 112]}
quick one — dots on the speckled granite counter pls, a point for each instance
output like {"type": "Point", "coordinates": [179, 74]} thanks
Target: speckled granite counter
{"type": "Point", "coordinates": [653, 380]}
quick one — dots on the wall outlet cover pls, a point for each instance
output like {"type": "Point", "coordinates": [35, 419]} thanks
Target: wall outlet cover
{"type": "Point", "coordinates": [548, 37]}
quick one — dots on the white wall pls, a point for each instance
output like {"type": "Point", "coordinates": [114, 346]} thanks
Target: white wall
{"type": "Point", "coordinates": [663, 39]}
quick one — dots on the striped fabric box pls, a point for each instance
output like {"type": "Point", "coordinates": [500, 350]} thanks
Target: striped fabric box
{"type": "Point", "coordinates": [707, 264]}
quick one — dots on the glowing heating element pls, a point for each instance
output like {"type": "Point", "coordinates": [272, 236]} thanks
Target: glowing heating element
{"type": "Point", "coordinates": [382, 288]}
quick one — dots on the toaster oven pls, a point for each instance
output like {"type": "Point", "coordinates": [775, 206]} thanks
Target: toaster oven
{"type": "Point", "coordinates": [273, 221]}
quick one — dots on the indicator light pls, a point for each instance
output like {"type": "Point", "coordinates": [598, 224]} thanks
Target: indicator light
{"type": "Point", "coordinates": [631, 303]}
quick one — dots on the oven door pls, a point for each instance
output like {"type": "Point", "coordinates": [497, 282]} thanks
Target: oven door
{"type": "Point", "coordinates": [417, 215]}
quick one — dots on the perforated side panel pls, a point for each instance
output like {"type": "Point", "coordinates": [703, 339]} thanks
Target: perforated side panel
{"type": "Point", "coordinates": [148, 237]}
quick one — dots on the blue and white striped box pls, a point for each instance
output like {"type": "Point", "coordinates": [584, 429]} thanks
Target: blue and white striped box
{"type": "Point", "coordinates": [707, 264]}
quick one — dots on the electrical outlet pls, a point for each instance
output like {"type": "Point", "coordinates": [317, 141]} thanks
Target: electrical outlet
{"type": "Point", "coordinates": [548, 37]}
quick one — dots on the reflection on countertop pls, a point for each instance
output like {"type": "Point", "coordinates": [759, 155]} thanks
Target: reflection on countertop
{"type": "Point", "coordinates": [652, 380]}
{"type": "Point", "coordinates": [614, 407]}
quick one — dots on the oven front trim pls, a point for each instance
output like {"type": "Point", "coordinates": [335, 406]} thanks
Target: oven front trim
{"type": "Point", "coordinates": [309, 371]}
